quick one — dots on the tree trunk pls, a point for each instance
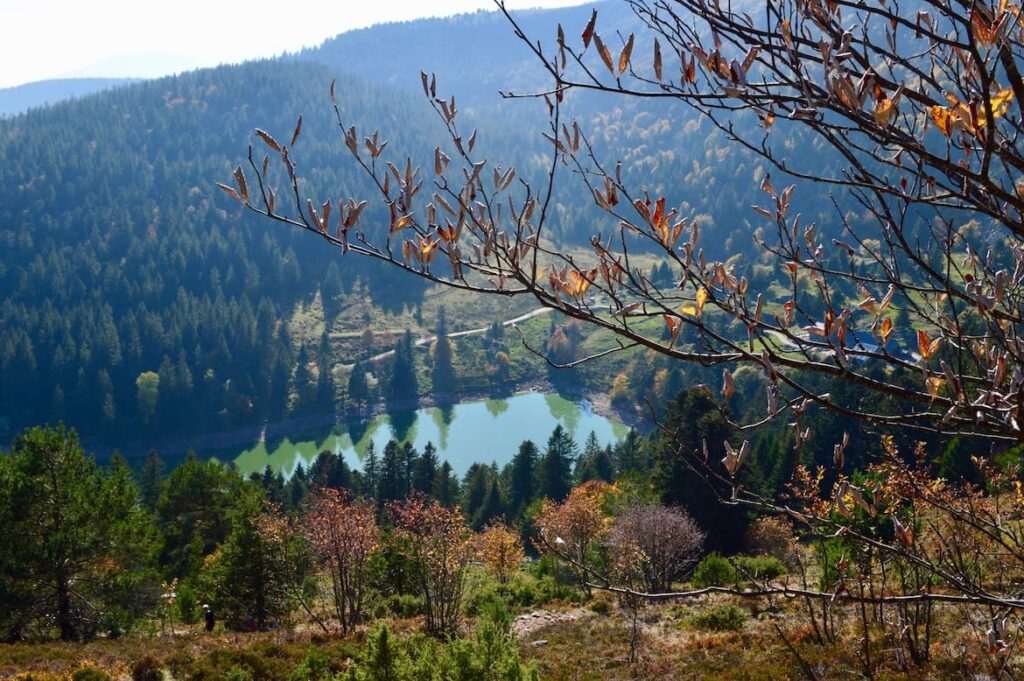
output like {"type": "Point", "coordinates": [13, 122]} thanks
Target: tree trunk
{"type": "Point", "coordinates": [67, 627]}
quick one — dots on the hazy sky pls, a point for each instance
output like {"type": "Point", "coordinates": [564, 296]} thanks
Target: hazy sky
{"type": "Point", "coordinates": [42, 39]}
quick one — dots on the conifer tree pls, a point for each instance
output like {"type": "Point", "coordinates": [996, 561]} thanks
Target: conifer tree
{"type": "Point", "coordinates": [403, 385]}
{"type": "Point", "coordinates": [522, 485]}
{"type": "Point", "coordinates": [371, 472]}
{"type": "Point", "coordinates": [151, 480]}
{"type": "Point", "coordinates": [67, 532]}
{"type": "Point", "coordinates": [392, 474]}
{"type": "Point", "coordinates": [425, 470]}
{"type": "Point", "coordinates": [493, 506]}
{"type": "Point", "coordinates": [446, 486]}
{"type": "Point", "coordinates": [555, 468]}
{"type": "Point", "coordinates": [325, 374]}
{"type": "Point", "coordinates": [443, 373]}
{"type": "Point", "coordinates": [358, 388]}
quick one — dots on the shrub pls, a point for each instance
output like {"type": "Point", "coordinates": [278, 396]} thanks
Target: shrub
{"type": "Point", "coordinates": [760, 567]}
{"type": "Point", "coordinates": [90, 674]}
{"type": "Point", "coordinates": [773, 536]}
{"type": "Point", "coordinates": [522, 591]}
{"type": "Point", "coordinates": [719, 618]}
{"type": "Point", "coordinates": [316, 666]}
{"type": "Point", "coordinates": [601, 604]}
{"type": "Point", "coordinates": [147, 669]}
{"type": "Point", "coordinates": [237, 674]}
{"type": "Point", "coordinates": [404, 605]}
{"type": "Point", "coordinates": [187, 604]}
{"type": "Point", "coordinates": [261, 661]}
{"type": "Point", "coordinates": [714, 570]}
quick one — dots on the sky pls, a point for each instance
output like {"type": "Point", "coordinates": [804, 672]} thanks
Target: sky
{"type": "Point", "coordinates": [44, 39]}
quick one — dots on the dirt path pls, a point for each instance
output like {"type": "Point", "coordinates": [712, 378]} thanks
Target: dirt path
{"type": "Point", "coordinates": [532, 622]}
{"type": "Point", "coordinates": [458, 334]}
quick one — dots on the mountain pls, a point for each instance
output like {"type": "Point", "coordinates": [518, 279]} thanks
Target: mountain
{"type": "Point", "coordinates": [140, 302]}
{"type": "Point", "coordinates": [21, 98]}
{"type": "Point", "coordinates": [474, 55]}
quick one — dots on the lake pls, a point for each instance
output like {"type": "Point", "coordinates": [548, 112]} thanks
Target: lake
{"type": "Point", "coordinates": [484, 431]}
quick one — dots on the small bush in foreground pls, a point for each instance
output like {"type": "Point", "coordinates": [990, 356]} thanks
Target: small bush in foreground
{"type": "Point", "coordinates": [714, 570]}
{"type": "Point", "coordinates": [90, 674]}
{"type": "Point", "coordinates": [760, 567]}
{"type": "Point", "coordinates": [147, 669]}
{"type": "Point", "coordinates": [719, 618]}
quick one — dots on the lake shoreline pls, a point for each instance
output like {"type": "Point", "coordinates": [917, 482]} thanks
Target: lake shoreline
{"type": "Point", "coordinates": [209, 444]}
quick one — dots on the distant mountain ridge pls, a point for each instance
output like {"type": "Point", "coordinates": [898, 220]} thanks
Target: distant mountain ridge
{"type": "Point", "coordinates": [21, 98]}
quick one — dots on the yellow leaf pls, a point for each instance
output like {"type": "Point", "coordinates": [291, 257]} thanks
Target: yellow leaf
{"type": "Point", "coordinates": [1001, 102]}
{"type": "Point", "coordinates": [934, 384]}
{"type": "Point", "coordinates": [689, 309]}
{"type": "Point", "coordinates": [942, 118]}
{"type": "Point", "coordinates": [885, 111]}
{"type": "Point", "coordinates": [401, 222]}
{"type": "Point", "coordinates": [887, 327]}
{"type": "Point", "coordinates": [702, 298]}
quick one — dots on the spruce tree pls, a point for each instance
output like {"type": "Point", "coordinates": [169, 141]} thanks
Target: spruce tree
{"type": "Point", "coordinates": [443, 373]}
{"type": "Point", "coordinates": [522, 485]}
{"type": "Point", "coordinates": [425, 470]}
{"type": "Point", "coordinates": [151, 480]}
{"type": "Point", "coordinates": [403, 384]}
{"type": "Point", "coordinates": [446, 486]}
{"type": "Point", "coordinates": [392, 474]}
{"type": "Point", "coordinates": [475, 484]}
{"type": "Point", "coordinates": [71, 536]}
{"type": "Point", "coordinates": [555, 468]}
{"type": "Point", "coordinates": [493, 506]}
{"type": "Point", "coordinates": [358, 388]}
{"type": "Point", "coordinates": [325, 377]}
{"type": "Point", "coordinates": [371, 472]}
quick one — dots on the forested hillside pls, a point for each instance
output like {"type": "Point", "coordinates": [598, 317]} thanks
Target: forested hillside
{"type": "Point", "coordinates": [139, 301]}
{"type": "Point", "coordinates": [119, 259]}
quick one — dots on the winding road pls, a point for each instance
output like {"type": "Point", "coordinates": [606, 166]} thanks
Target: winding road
{"type": "Point", "coordinates": [456, 334]}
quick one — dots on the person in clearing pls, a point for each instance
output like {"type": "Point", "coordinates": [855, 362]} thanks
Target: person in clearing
{"type": "Point", "coordinates": [209, 617]}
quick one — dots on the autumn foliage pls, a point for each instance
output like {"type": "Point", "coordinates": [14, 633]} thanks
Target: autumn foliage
{"type": "Point", "coordinates": [344, 535]}
{"type": "Point", "coordinates": [440, 542]}
{"type": "Point", "coordinates": [500, 549]}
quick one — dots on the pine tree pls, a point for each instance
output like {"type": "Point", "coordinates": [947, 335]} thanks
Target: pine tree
{"type": "Point", "coordinates": [522, 486]}
{"type": "Point", "coordinates": [303, 386]}
{"type": "Point", "coordinates": [325, 376]}
{"type": "Point", "coordinates": [493, 506]}
{"type": "Point", "coordinates": [371, 472]}
{"type": "Point", "coordinates": [555, 468]}
{"type": "Point", "coordinates": [151, 480]}
{"type": "Point", "coordinates": [475, 484]}
{"type": "Point", "coordinates": [443, 373]}
{"type": "Point", "coordinates": [690, 419]}
{"type": "Point", "coordinates": [409, 458]}
{"type": "Point", "coordinates": [603, 464]}
{"type": "Point", "coordinates": [586, 465]}
{"type": "Point", "coordinates": [446, 486]}
{"type": "Point", "coordinates": [65, 527]}
{"type": "Point", "coordinates": [403, 385]}
{"type": "Point", "coordinates": [392, 474]}
{"type": "Point", "coordinates": [425, 470]}
{"type": "Point", "coordinates": [358, 388]}
{"type": "Point", "coordinates": [630, 455]}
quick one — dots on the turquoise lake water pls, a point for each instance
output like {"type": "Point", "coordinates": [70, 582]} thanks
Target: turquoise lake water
{"type": "Point", "coordinates": [484, 431]}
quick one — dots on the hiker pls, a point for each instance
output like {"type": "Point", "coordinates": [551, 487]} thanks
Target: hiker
{"type": "Point", "coordinates": [209, 617]}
